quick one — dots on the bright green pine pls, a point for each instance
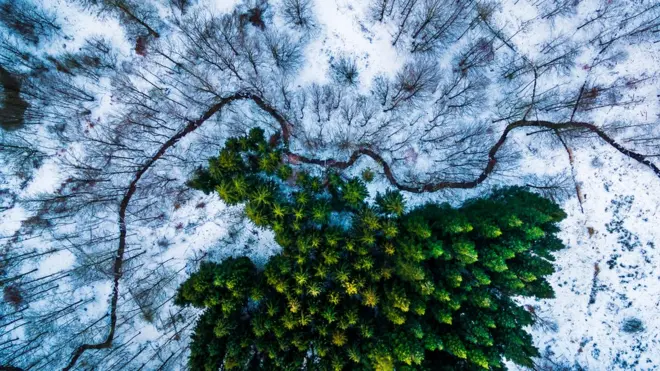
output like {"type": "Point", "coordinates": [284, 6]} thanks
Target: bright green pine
{"type": "Point", "coordinates": [362, 287]}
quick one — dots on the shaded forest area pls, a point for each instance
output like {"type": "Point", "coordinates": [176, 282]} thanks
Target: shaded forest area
{"type": "Point", "coordinates": [13, 106]}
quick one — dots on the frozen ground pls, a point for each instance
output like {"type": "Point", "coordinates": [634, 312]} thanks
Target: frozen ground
{"type": "Point", "coordinates": [606, 277]}
{"type": "Point", "coordinates": [608, 274]}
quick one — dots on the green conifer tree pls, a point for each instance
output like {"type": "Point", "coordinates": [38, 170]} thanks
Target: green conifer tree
{"type": "Point", "coordinates": [367, 287]}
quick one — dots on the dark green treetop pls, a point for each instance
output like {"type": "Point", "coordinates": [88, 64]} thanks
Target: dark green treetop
{"type": "Point", "coordinates": [364, 287]}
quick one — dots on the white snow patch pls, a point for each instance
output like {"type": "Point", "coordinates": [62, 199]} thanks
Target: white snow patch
{"type": "Point", "coordinates": [10, 220]}
{"type": "Point", "coordinates": [346, 30]}
{"type": "Point", "coordinates": [57, 262]}
{"type": "Point", "coordinates": [46, 179]}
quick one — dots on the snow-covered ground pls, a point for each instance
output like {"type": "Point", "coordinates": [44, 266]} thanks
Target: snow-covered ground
{"type": "Point", "coordinates": [608, 273]}
{"type": "Point", "coordinates": [606, 277]}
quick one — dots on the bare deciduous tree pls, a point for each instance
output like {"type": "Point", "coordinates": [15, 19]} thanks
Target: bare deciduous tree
{"type": "Point", "coordinates": [416, 82]}
{"type": "Point", "coordinates": [28, 20]}
{"type": "Point", "coordinates": [442, 122]}
{"type": "Point", "coordinates": [139, 17]}
{"type": "Point", "coordinates": [298, 13]}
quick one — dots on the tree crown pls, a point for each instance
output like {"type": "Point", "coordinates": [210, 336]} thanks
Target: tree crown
{"type": "Point", "coordinates": [362, 286]}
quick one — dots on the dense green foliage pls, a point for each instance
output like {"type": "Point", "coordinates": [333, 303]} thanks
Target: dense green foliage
{"type": "Point", "coordinates": [362, 286]}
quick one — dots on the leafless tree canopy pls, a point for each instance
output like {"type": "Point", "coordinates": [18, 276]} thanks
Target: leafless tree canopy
{"type": "Point", "coordinates": [298, 13]}
{"type": "Point", "coordinates": [126, 129]}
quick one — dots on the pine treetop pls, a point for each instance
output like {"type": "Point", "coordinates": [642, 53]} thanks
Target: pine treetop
{"type": "Point", "coordinates": [360, 286]}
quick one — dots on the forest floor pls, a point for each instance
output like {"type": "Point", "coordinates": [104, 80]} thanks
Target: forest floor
{"type": "Point", "coordinates": [606, 314]}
